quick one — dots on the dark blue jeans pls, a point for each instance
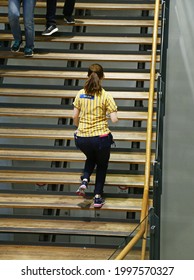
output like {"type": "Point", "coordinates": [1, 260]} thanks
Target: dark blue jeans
{"type": "Point", "coordinates": [28, 15]}
{"type": "Point", "coordinates": [97, 151]}
{"type": "Point", "coordinates": [51, 10]}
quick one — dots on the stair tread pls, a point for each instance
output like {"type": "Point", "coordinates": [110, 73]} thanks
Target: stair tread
{"type": "Point", "coordinates": [99, 6]}
{"type": "Point", "coordinates": [15, 131]}
{"type": "Point", "coordinates": [19, 72]}
{"type": "Point", "coordinates": [54, 176]}
{"type": "Point", "coordinates": [70, 93]}
{"type": "Point", "coordinates": [72, 38]}
{"type": "Point", "coordinates": [94, 22]}
{"type": "Point", "coordinates": [53, 201]}
{"type": "Point", "coordinates": [26, 111]}
{"type": "Point", "coordinates": [52, 154]}
{"type": "Point", "coordinates": [44, 54]}
{"type": "Point", "coordinates": [59, 226]}
{"type": "Point", "coordinates": [30, 252]}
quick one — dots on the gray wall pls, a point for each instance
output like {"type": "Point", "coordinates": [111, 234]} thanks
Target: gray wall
{"type": "Point", "coordinates": [177, 227]}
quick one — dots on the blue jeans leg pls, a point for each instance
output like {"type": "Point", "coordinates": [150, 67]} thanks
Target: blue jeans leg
{"type": "Point", "coordinates": [14, 15]}
{"type": "Point", "coordinates": [28, 11]}
{"type": "Point", "coordinates": [28, 15]}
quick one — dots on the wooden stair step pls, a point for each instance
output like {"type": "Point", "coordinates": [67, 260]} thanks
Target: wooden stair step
{"type": "Point", "coordinates": [51, 176]}
{"type": "Point", "coordinates": [34, 252]}
{"type": "Point", "coordinates": [70, 93]}
{"type": "Point", "coordinates": [26, 111]}
{"type": "Point", "coordinates": [107, 22]}
{"type": "Point", "coordinates": [19, 71]}
{"type": "Point", "coordinates": [114, 6]}
{"type": "Point", "coordinates": [59, 132]}
{"type": "Point", "coordinates": [72, 155]}
{"type": "Point", "coordinates": [30, 252]}
{"type": "Point", "coordinates": [87, 39]}
{"type": "Point", "coordinates": [93, 22]}
{"type": "Point", "coordinates": [48, 55]}
{"type": "Point", "coordinates": [98, 6]}
{"type": "Point", "coordinates": [53, 201]}
{"type": "Point", "coordinates": [60, 226]}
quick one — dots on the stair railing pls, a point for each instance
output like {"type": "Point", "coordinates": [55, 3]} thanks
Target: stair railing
{"type": "Point", "coordinates": [145, 200]}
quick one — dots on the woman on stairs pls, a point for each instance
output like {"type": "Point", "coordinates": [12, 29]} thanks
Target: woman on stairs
{"type": "Point", "coordinates": [93, 137]}
{"type": "Point", "coordinates": [28, 17]}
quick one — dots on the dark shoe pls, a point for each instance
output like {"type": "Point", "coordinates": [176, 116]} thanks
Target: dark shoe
{"type": "Point", "coordinates": [50, 30]}
{"type": "Point", "coordinates": [28, 52]}
{"type": "Point", "coordinates": [69, 19]}
{"type": "Point", "coordinates": [82, 188]}
{"type": "Point", "coordinates": [16, 46]}
{"type": "Point", "coordinates": [98, 201]}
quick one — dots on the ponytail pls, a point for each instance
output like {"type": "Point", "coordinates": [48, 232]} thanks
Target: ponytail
{"type": "Point", "coordinates": [93, 83]}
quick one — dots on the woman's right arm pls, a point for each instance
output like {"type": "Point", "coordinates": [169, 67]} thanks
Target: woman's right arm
{"type": "Point", "coordinates": [113, 117]}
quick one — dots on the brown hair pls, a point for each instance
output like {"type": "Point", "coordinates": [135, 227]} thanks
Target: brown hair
{"type": "Point", "coordinates": [93, 84]}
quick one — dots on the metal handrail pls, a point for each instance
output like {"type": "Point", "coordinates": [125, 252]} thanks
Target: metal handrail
{"type": "Point", "coordinates": [145, 205]}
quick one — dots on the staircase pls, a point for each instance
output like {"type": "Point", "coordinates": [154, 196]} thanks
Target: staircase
{"type": "Point", "coordinates": [41, 217]}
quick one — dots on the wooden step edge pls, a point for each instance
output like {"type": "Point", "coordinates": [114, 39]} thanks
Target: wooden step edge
{"type": "Point", "coordinates": [92, 22]}
{"type": "Point", "coordinates": [87, 39]}
{"type": "Point", "coordinates": [34, 252]}
{"type": "Point", "coordinates": [68, 202]}
{"type": "Point", "coordinates": [80, 56]}
{"type": "Point", "coordinates": [70, 155]}
{"type": "Point", "coordinates": [65, 113]}
{"type": "Point", "coordinates": [69, 178]}
{"type": "Point", "coordinates": [64, 74]}
{"type": "Point", "coordinates": [96, 6]}
{"type": "Point", "coordinates": [59, 133]}
{"type": "Point", "coordinates": [59, 226]}
{"type": "Point", "coordinates": [54, 93]}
